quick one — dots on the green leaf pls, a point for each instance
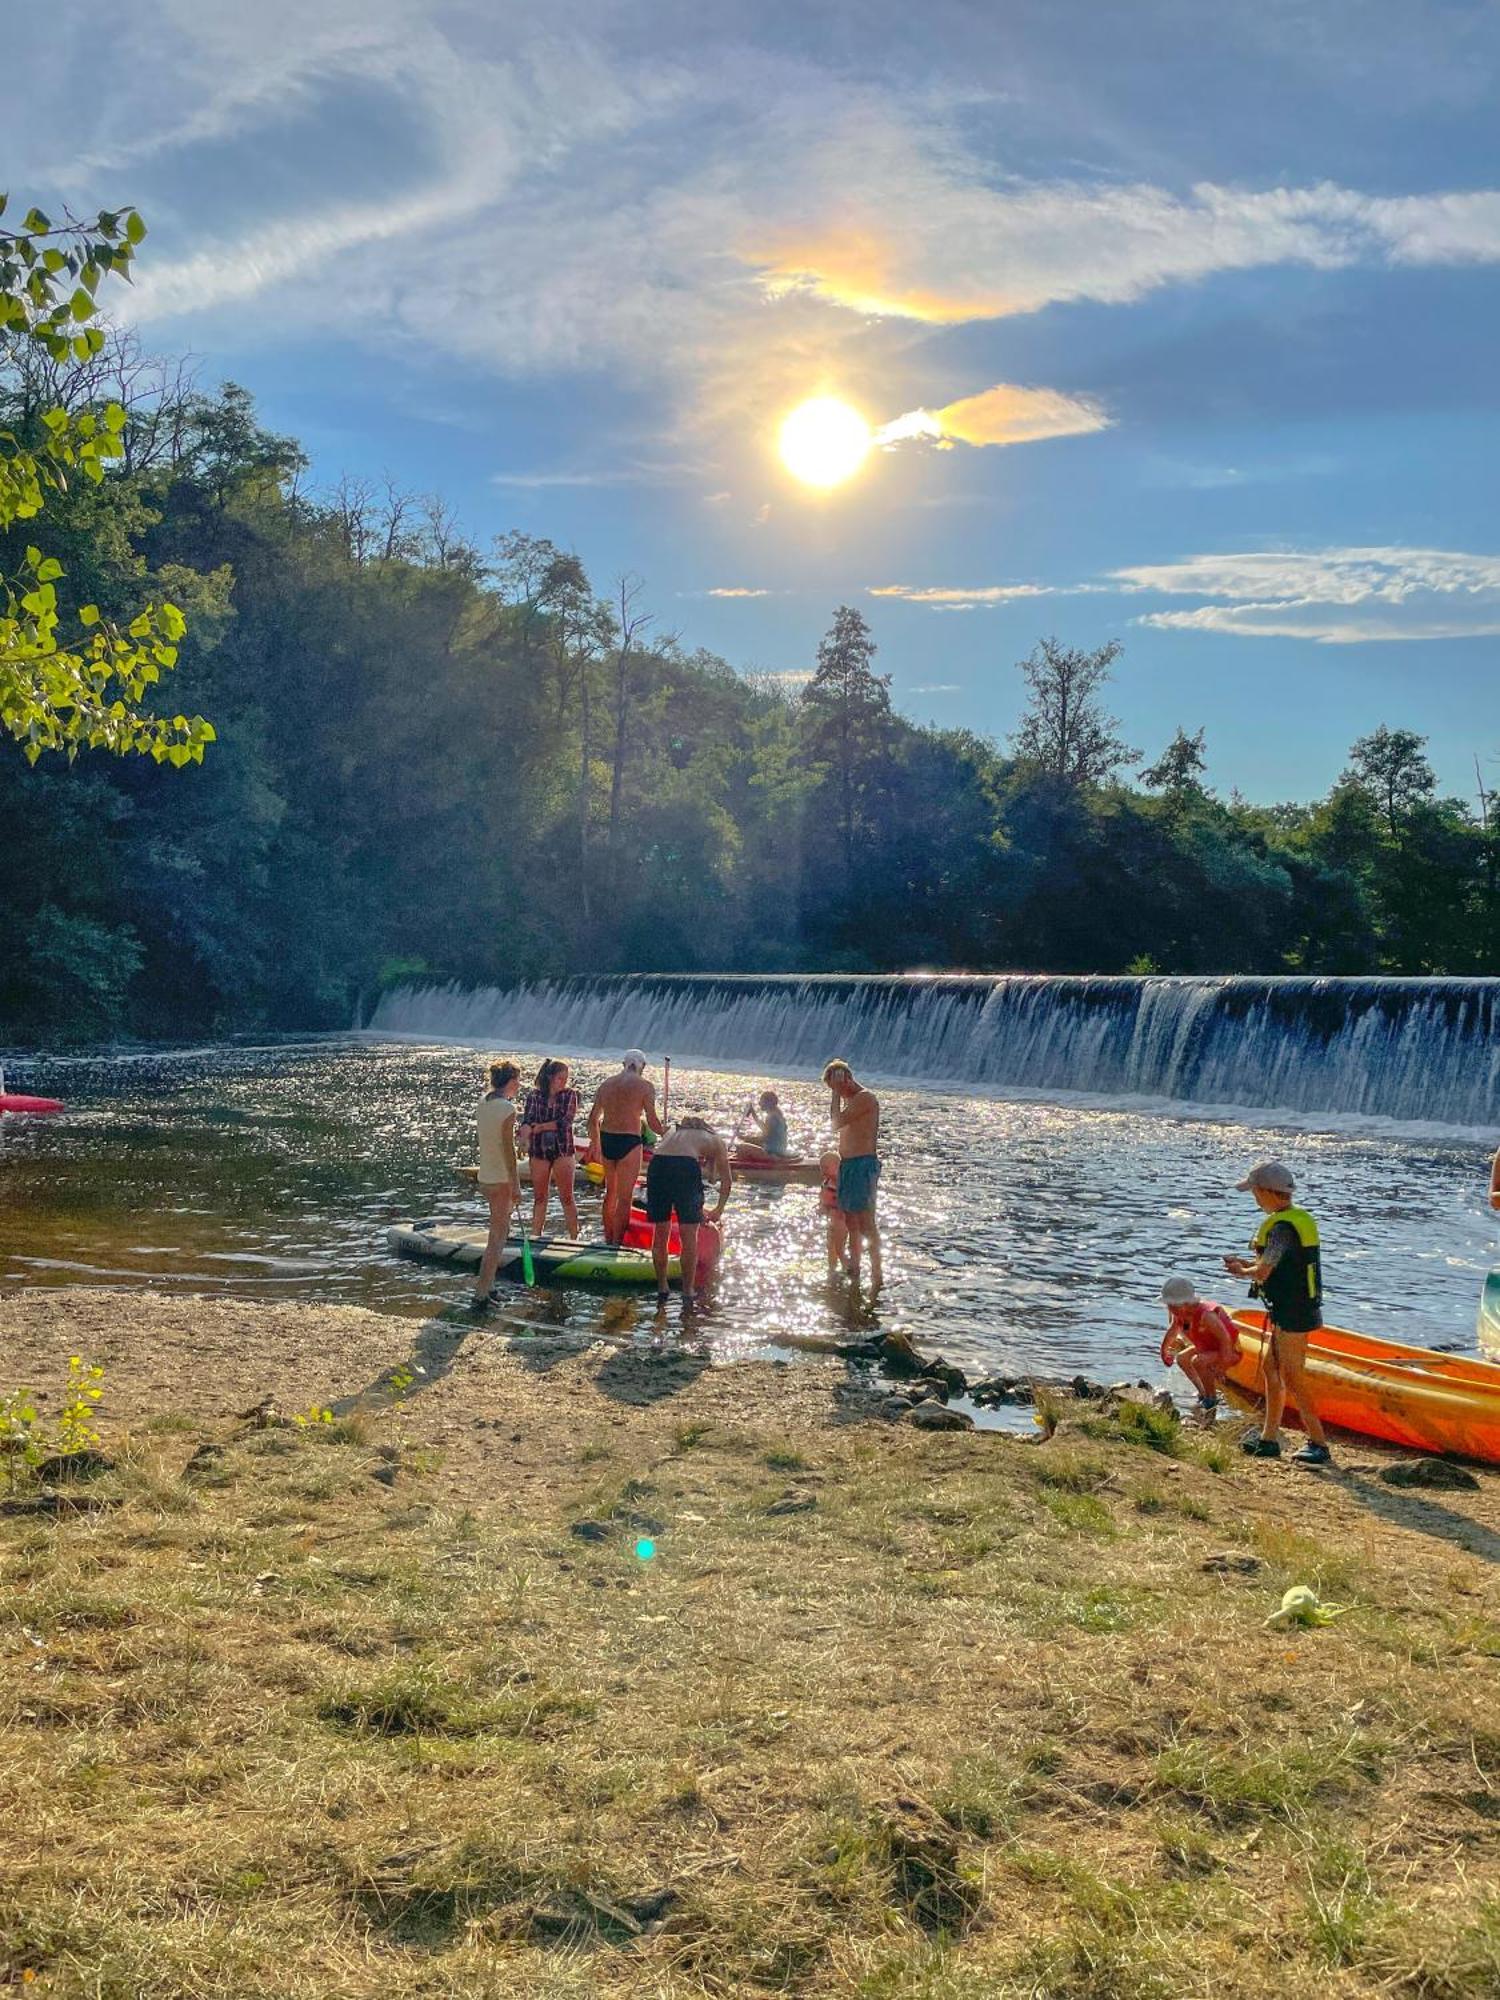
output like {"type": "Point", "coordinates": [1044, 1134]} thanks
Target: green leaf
{"type": "Point", "coordinates": [36, 223]}
{"type": "Point", "coordinates": [135, 229]}
{"type": "Point", "coordinates": [114, 417]}
{"type": "Point", "coordinates": [88, 614]}
{"type": "Point", "coordinates": [81, 305]}
{"type": "Point", "coordinates": [49, 570]}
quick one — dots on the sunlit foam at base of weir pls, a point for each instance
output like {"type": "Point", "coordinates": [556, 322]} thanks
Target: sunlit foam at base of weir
{"type": "Point", "coordinates": [1419, 1050]}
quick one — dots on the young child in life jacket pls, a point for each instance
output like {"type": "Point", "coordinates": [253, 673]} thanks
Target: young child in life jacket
{"type": "Point", "coordinates": [838, 1227]}
{"type": "Point", "coordinates": [1201, 1339]}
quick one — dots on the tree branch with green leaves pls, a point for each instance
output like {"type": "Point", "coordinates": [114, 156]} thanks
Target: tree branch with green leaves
{"type": "Point", "coordinates": [67, 686]}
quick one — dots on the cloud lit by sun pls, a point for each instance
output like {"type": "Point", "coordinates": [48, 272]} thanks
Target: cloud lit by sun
{"type": "Point", "coordinates": [824, 441]}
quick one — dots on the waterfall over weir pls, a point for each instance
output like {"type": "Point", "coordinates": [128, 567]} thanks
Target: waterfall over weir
{"type": "Point", "coordinates": [1417, 1050]}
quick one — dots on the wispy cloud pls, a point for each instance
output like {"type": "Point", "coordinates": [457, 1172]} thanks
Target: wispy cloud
{"type": "Point", "coordinates": [1005, 414]}
{"type": "Point", "coordinates": [1333, 597]}
{"type": "Point", "coordinates": [942, 597]}
{"type": "Point", "coordinates": [936, 687]}
{"type": "Point", "coordinates": [931, 241]}
{"type": "Point", "coordinates": [736, 590]}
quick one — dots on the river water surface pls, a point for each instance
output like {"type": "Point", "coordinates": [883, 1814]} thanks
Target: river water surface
{"type": "Point", "coordinates": [1022, 1233]}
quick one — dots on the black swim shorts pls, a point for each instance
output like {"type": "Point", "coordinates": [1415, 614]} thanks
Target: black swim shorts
{"type": "Point", "coordinates": [674, 1184]}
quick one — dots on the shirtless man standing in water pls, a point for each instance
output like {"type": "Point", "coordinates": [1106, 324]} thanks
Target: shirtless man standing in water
{"type": "Point", "coordinates": [856, 1120]}
{"type": "Point", "coordinates": [674, 1186]}
{"type": "Point", "coordinates": [622, 1103]}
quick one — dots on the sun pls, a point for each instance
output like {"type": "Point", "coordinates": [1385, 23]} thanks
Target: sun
{"type": "Point", "coordinates": [824, 441]}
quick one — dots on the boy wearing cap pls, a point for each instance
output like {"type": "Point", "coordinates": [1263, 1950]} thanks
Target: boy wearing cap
{"type": "Point", "coordinates": [624, 1107]}
{"type": "Point", "coordinates": [1286, 1274]}
{"type": "Point", "coordinates": [1200, 1338]}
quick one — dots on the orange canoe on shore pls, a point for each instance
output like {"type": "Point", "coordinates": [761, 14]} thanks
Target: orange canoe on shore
{"type": "Point", "coordinates": [1413, 1396]}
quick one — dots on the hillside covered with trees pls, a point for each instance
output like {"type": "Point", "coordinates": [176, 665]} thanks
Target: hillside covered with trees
{"type": "Point", "coordinates": [439, 759]}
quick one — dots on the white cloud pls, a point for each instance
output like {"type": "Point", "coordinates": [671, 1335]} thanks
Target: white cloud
{"type": "Point", "coordinates": [936, 687]}
{"type": "Point", "coordinates": [1005, 414]}
{"type": "Point", "coordinates": [1333, 597]}
{"type": "Point", "coordinates": [943, 598]}
{"type": "Point", "coordinates": [735, 590]}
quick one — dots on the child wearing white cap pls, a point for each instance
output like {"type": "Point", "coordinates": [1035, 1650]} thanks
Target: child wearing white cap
{"type": "Point", "coordinates": [1200, 1338]}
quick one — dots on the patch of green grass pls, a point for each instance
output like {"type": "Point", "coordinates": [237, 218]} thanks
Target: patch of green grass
{"type": "Point", "coordinates": [1282, 1781]}
{"type": "Point", "coordinates": [782, 1460]}
{"type": "Point", "coordinates": [423, 1701]}
{"type": "Point", "coordinates": [1066, 1470]}
{"type": "Point", "coordinates": [1081, 1513]}
{"type": "Point", "coordinates": [1141, 1424]}
{"type": "Point", "coordinates": [1340, 1905]}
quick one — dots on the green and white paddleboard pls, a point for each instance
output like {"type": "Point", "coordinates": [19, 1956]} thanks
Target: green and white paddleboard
{"type": "Point", "coordinates": [1489, 1317]}
{"type": "Point", "coordinates": [557, 1259]}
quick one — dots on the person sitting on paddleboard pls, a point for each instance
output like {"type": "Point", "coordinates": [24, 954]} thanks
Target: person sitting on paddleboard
{"type": "Point", "coordinates": [856, 1120]}
{"type": "Point", "coordinates": [499, 1177]}
{"type": "Point", "coordinates": [1200, 1338]}
{"type": "Point", "coordinates": [623, 1110]}
{"type": "Point", "coordinates": [1286, 1275]}
{"type": "Point", "coordinates": [769, 1137]}
{"type": "Point", "coordinates": [674, 1186]}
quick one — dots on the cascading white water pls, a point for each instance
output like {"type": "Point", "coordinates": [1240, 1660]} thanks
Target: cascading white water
{"type": "Point", "coordinates": [1412, 1049]}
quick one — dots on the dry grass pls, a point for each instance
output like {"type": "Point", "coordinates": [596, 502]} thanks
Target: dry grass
{"type": "Point", "coordinates": [974, 1722]}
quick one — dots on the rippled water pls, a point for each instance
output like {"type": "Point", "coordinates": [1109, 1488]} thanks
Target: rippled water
{"type": "Point", "coordinates": [1020, 1233]}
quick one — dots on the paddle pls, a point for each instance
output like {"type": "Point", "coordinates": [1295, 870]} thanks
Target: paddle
{"type": "Point", "coordinates": [528, 1269]}
{"type": "Point", "coordinates": [666, 1086]}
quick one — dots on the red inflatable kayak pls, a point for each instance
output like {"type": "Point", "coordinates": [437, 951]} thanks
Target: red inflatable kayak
{"type": "Point", "coordinates": [710, 1242]}
{"type": "Point", "coordinates": [36, 1107]}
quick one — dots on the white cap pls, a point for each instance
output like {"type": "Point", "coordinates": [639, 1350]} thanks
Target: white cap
{"type": "Point", "coordinates": [1179, 1292]}
{"type": "Point", "coordinates": [1272, 1175]}
{"type": "Point", "coordinates": [634, 1059]}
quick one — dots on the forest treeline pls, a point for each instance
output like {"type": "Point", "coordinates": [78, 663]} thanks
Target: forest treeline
{"type": "Point", "coordinates": [443, 760]}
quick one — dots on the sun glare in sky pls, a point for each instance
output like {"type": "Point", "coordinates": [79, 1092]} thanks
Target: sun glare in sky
{"type": "Point", "coordinates": [824, 441]}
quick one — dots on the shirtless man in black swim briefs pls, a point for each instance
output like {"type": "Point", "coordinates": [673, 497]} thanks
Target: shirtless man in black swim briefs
{"type": "Point", "coordinates": [622, 1105]}
{"type": "Point", "coordinates": [674, 1186]}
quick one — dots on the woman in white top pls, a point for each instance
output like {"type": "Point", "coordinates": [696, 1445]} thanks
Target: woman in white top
{"type": "Point", "coordinates": [499, 1173]}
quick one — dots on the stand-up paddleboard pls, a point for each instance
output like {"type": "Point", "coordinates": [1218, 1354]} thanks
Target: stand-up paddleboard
{"type": "Point", "coordinates": [771, 1169]}
{"type": "Point", "coordinates": [1489, 1317]}
{"type": "Point", "coordinates": [557, 1259]}
{"type": "Point", "coordinates": [639, 1232]}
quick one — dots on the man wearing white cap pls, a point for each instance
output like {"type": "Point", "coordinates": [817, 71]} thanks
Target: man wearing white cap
{"type": "Point", "coordinates": [623, 1110]}
{"type": "Point", "coordinates": [1286, 1275]}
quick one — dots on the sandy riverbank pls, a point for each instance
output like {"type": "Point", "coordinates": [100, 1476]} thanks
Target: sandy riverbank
{"type": "Point", "coordinates": [551, 1671]}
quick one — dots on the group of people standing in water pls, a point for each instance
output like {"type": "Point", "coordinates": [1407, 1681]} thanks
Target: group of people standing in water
{"type": "Point", "coordinates": [624, 1122]}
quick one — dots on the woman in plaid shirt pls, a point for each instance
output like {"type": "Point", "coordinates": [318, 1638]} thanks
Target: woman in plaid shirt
{"type": "Point", "coordinates": [547, 1130]}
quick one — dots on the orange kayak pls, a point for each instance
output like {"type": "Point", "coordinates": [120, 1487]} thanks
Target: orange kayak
{"type": "Point", "coordinates": [1442, 1403]}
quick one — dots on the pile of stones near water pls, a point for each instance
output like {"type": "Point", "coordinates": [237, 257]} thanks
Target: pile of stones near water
{"type": "Point", "coordinates": [926, 1385]}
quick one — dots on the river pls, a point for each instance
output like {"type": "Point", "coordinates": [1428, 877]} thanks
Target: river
{"type": "Point", "coordinates": [1026, 1230]}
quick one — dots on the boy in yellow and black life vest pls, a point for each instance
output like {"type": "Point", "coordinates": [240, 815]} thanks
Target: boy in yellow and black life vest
{"type": "Point", "coordinates": [1286, 1274]}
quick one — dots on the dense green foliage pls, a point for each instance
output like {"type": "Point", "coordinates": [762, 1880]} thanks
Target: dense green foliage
{"type": "Point", "coordinates": [438, 760]}
{"type": "Point", "coordinates": [59, 689]}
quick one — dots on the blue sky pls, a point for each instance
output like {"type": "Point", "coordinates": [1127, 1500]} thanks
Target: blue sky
{"type": "Point", "coordinates": [1202, 301]}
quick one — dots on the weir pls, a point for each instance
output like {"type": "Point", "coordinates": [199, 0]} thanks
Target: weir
{"type": "Point", "coordinates": [1423, 1050]}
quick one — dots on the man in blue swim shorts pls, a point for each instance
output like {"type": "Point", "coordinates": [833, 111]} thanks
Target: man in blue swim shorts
{"type": "Point", "coordinates": [856, 1120]}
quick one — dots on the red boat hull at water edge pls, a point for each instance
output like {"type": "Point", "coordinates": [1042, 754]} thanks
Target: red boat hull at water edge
{"type": "Point", "coordinates": [31, 1107]}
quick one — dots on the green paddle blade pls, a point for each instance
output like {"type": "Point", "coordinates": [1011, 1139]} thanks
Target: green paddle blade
{"type": "Point", "coordinates": [528, 1269]}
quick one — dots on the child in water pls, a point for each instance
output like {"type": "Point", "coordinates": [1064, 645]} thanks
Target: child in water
{"type": "Point", "coordinates": [838, 1227]}
{"type": "Point", "coordinates": [1200, 1338]}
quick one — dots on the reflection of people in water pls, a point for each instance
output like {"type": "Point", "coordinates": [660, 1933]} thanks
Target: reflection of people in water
{"type": "Point", "coordinates": [767, 1138]}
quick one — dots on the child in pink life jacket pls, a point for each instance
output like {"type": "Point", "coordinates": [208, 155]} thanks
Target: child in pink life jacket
{"type": "Point", "coordinates": [1201, 1339]}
